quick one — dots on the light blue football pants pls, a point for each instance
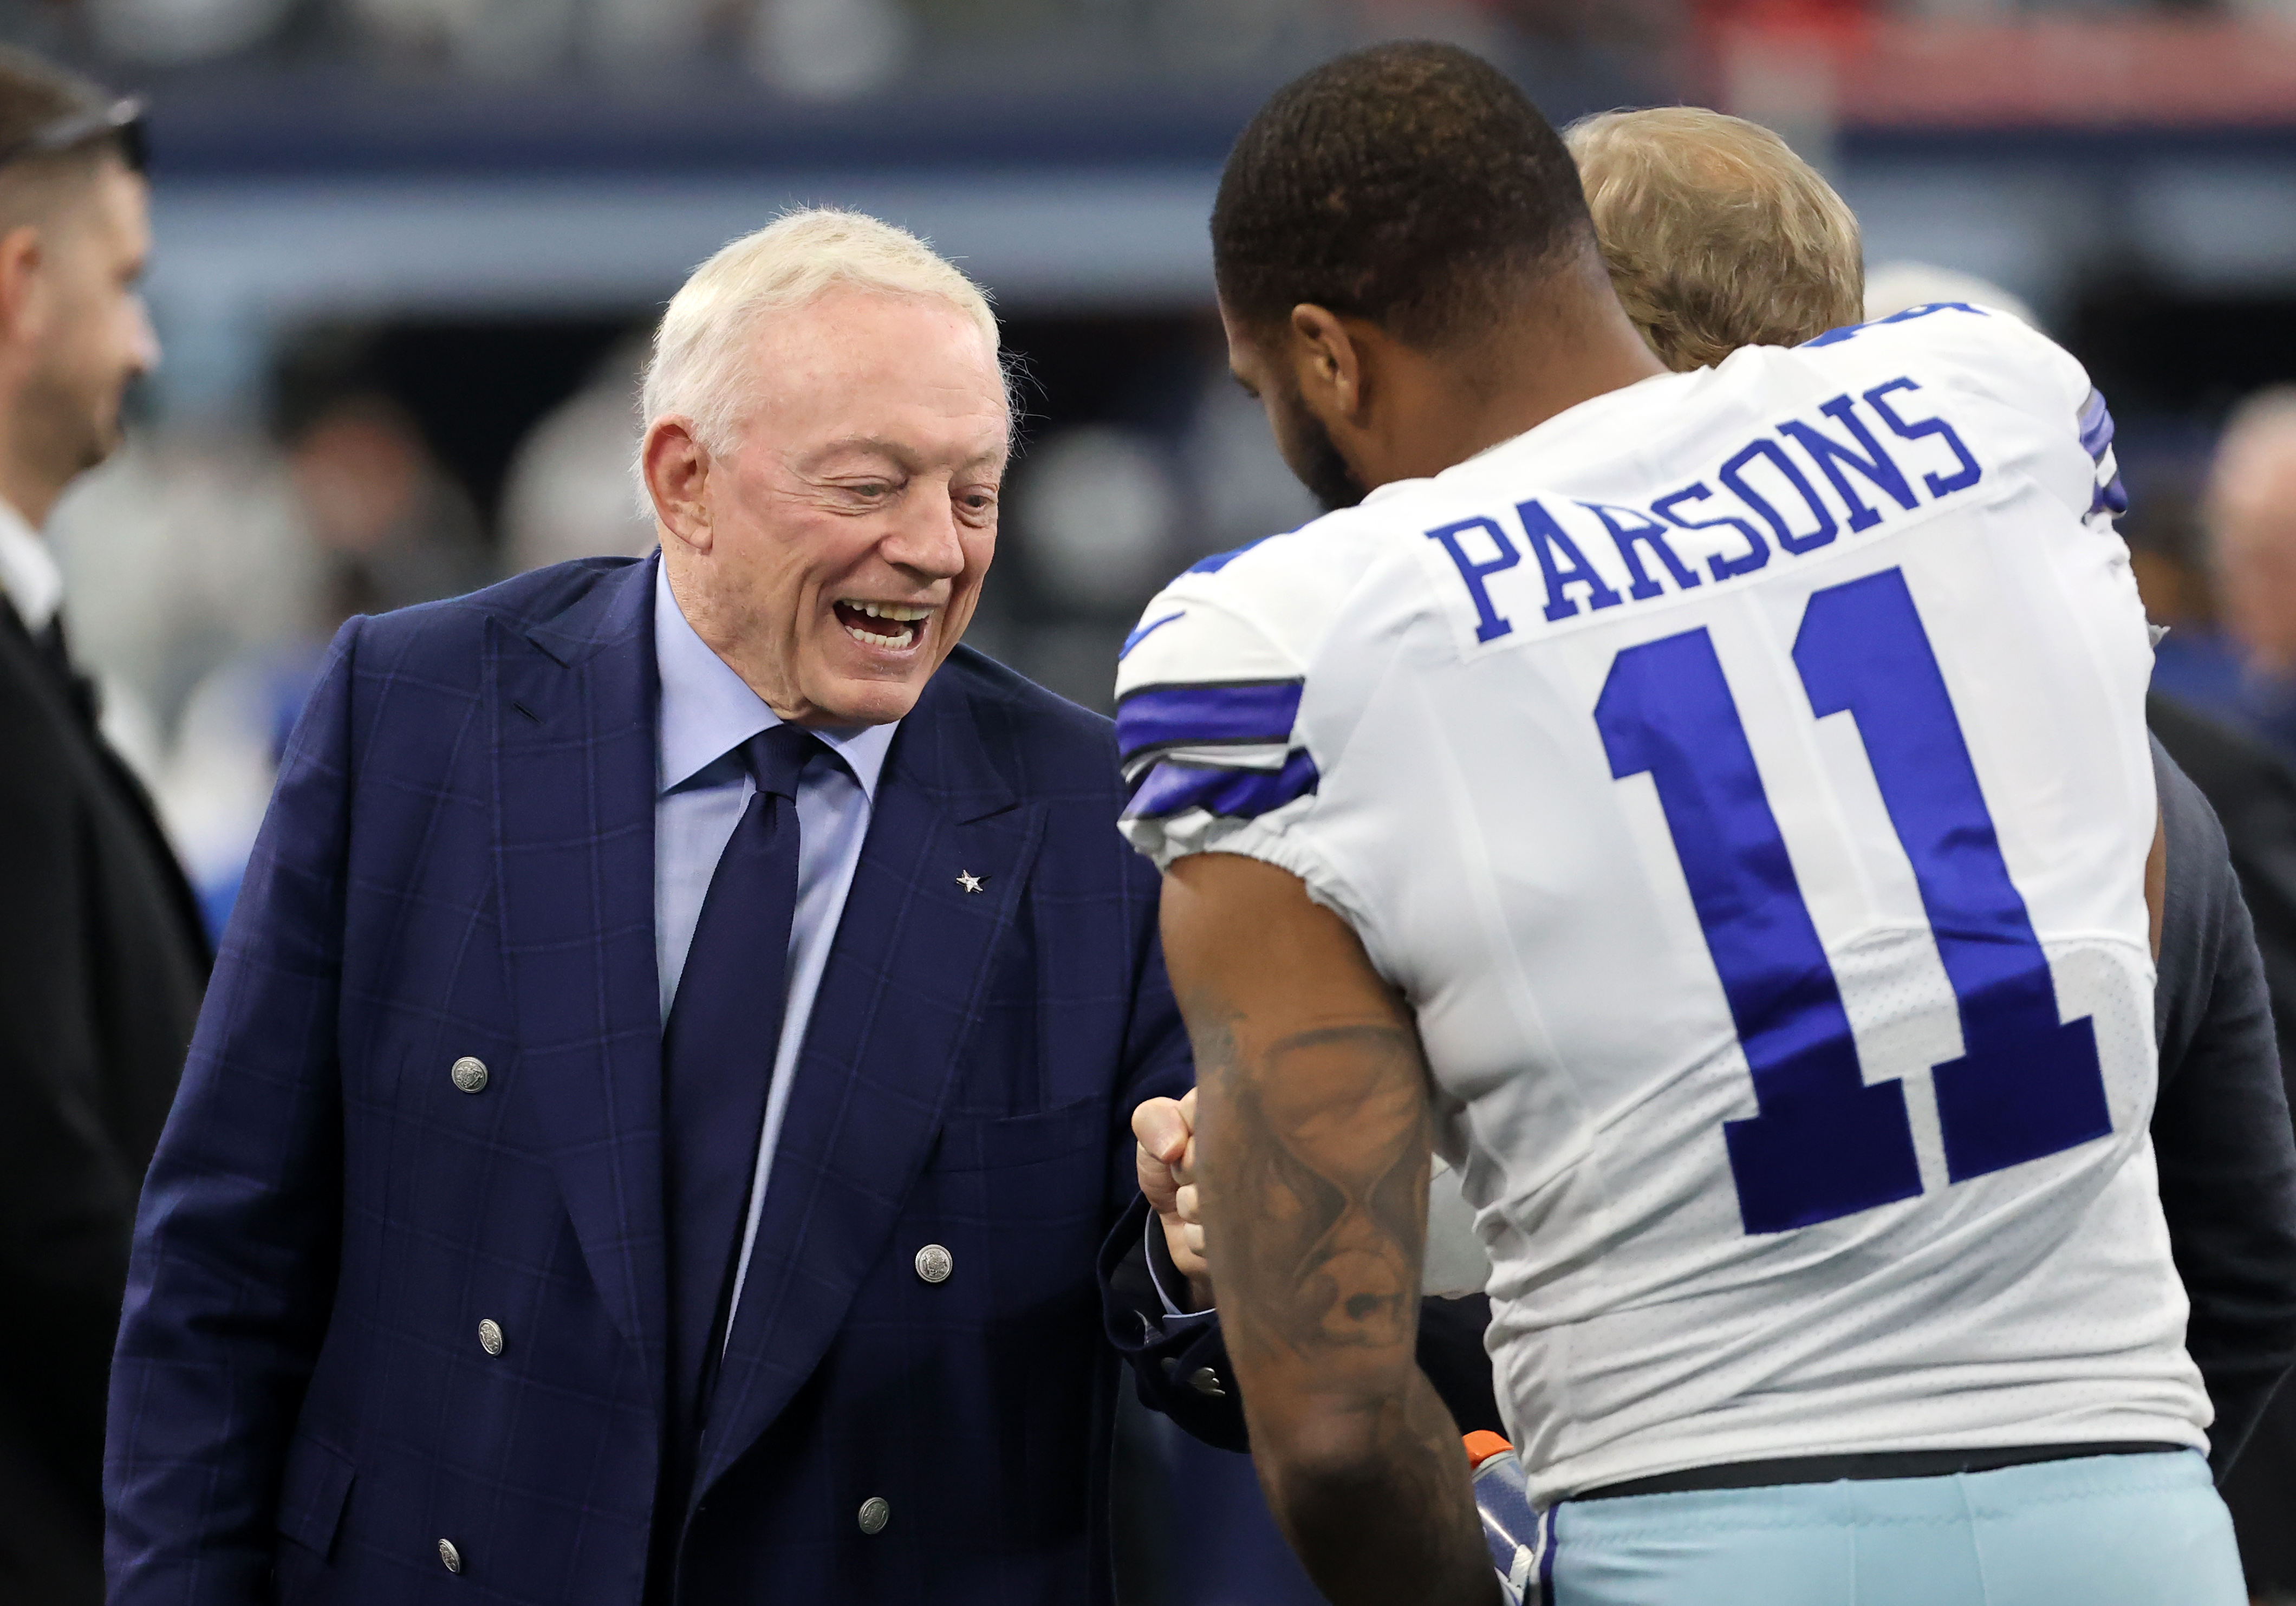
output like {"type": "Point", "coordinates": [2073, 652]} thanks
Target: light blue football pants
{"type": "Point", "coordinates": [2099, 1530]}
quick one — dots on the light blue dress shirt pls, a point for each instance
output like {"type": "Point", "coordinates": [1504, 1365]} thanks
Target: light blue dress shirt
{"type": "Point", "coordinates": [707, 713]}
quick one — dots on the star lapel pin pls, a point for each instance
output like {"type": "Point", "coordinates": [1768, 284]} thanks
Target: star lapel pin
{"type": "Point", "coordinates": [970, 881]}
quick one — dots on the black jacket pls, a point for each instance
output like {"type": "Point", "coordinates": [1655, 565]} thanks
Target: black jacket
{"type": "Point", "coordinates": [2221, 1134]}
{"type": "Point", "coordinates": [2254, 793]}
{"type": "Point", "coordinates": [102, 962]}
{"type": "Point", "coordinates": [2220, 1127]}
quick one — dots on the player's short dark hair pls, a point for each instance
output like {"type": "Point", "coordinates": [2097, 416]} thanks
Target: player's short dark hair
{"type": "Point", "coordinates": [1410, 184]}
{"type": "Point", "coordinates": [37, 98]}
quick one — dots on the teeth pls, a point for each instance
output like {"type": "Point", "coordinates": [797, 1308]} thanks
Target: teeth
{"type": "Point", "coordinates": [899, 639]}
{"type": "Point", "coordinates": [891, 611]}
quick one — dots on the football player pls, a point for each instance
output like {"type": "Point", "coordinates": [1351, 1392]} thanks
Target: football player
{"type": "Point", "coordinates": [1717, 235]}
{"type": "Point", "coordinates": [1715, 808]}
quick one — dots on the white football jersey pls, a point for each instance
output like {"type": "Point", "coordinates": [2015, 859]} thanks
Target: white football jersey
{"type": "Point", "coordinates": [1743, 775]}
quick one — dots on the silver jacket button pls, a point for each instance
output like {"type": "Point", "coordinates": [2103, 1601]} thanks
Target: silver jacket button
{"type": "Point", "coordinates": [490, 1337]}
{"type": "Point", "coordinates": [452, 1557]}
{"type": "Point", "coordinates": [875, 1512]}
{"type": "Point", "coordinates": [1203, 1380]}
{"type": "Point", "coordinates": [470, 1074]}
{"type": "Point", "coordinates": [935, 1262]}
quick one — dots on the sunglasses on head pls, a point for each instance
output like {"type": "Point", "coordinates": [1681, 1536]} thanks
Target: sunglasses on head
{"type": "Point", "coordinates": [122, 122]}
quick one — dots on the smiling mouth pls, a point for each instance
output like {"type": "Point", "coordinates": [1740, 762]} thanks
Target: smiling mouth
{"type": "Point", "coordinates": [892, 626]}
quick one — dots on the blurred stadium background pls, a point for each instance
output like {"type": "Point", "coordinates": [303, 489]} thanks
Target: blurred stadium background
{"type": "Point", "coordinates": [408, 251]}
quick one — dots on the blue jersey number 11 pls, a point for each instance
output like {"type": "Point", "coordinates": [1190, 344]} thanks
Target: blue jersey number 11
{"type": "Point", "coordinates": [1826, 1143]}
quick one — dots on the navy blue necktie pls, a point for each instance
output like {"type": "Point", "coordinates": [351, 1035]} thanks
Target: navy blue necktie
{"type": "Point", "coordinates": [718, 1060]}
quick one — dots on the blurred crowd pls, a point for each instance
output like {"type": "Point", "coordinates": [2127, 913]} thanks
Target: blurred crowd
{"type": "Point", "coordinates": [819, 49]}
{"type": "Point", "coordinates": [836, 48]}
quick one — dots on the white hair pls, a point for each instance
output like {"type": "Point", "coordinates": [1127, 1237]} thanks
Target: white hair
{"type": "Point", "coordinates": [696, 371]}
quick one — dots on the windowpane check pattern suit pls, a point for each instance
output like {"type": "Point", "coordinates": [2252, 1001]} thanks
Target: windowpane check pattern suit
{"type": "Point", "coordinates": [399, 1331]}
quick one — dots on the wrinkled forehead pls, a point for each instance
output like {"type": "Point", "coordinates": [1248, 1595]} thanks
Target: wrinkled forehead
{"type": "Point", "coordinates": [861, 328]}
{"type": "Point", "coordinates": [869, 365]}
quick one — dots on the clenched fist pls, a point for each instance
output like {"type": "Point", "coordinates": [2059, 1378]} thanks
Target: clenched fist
{"type": "Point", "coordinates": [1166, 1131]}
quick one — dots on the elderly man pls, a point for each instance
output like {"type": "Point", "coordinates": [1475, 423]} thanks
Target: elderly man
{"type": "Point", "coordinates": [667, 1075]}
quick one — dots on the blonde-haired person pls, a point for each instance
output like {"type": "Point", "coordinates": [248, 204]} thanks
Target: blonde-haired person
{"type": "Point", "coordinates": [651, 1129]}
{"type": "Point", "coordinates": [1716, 233]}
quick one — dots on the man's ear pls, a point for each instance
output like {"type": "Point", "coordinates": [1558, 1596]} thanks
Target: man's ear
{"type": "Point", "coordinates": [675, 465]}
{"type": "Point", "coordinates": [1328, 364]}
{"type": "Point", "coordinates": [22, 255]}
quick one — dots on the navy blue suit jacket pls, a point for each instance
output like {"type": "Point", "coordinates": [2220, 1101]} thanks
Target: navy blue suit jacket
{"type": "Point", "coordinates": [459, 861]}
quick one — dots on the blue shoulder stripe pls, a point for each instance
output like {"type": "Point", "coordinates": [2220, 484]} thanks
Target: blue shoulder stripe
{"type": "Point", "coordinates": [1221, 559]}
{"type": "Point", "coordinates": [1172, 788]}
{"type": "Point", "coordinates": [1835, 336]}
{"type": "Point", "coordinates": [1145, 631]}
{"type": "Point", "coordinates": [1205, 716]}
{"type": "Point", "coordinates": [2096, 425]}
{"type": "Point", "coordinates": [2111, 498]}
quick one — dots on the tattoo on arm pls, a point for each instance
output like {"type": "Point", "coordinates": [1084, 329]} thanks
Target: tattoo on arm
{"type": "Point", "coordinates": [1332, 1194]}
{"type": "Point", "coordinates": [1312, 1155]}
{"type": "Point", "coordinates": [1316, 1160]}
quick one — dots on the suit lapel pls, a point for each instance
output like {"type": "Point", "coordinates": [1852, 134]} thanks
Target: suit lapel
{"type": "Point", "coordinates": [573, 702]}
{"type": "Point", "coordinates": [899, 1000]}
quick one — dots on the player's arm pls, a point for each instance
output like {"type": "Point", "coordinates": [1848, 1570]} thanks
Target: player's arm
{"type": "Point", "coordinates": [1313, 1160]}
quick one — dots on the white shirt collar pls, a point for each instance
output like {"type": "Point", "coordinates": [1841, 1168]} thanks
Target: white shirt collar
{"type": "Point", "coordinates": [708, 711]}
{"type": "Point", "coordinates": [28, 574]}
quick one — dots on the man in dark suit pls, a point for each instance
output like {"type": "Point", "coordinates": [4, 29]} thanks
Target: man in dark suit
{"type": "Point", "coordinates": [668, 1073]}
{"type": "Point", "coordinates": [102, 957]}
{"type": "Point", "coordinates": [2253, 792]}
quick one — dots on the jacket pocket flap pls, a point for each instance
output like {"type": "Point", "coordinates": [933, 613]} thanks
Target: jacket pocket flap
{"type": "Point", "coordinates": [981, 1144]}
{"type": "Point", "coordinates": [312, 1495]}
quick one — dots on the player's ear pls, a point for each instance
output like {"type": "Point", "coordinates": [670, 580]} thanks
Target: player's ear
{"type": "Point", "coordinates": [1327, 361]}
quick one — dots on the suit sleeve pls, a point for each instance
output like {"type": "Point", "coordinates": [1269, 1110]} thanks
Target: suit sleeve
{"type": "Point", "coordinates": [1158, 1061]}
{"type": "Point", "coordinates": [233, 1268]}
{"type": "Point", "coordinates": [1181, 1366]}
{"type": "Point", "coordinates": [2220, 1127]}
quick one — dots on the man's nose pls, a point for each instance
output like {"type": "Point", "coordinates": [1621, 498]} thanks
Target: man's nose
{"type": "Point", "coordinates": [144, 341]}
{"type": "Point", "coordinates": [927, 539]}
